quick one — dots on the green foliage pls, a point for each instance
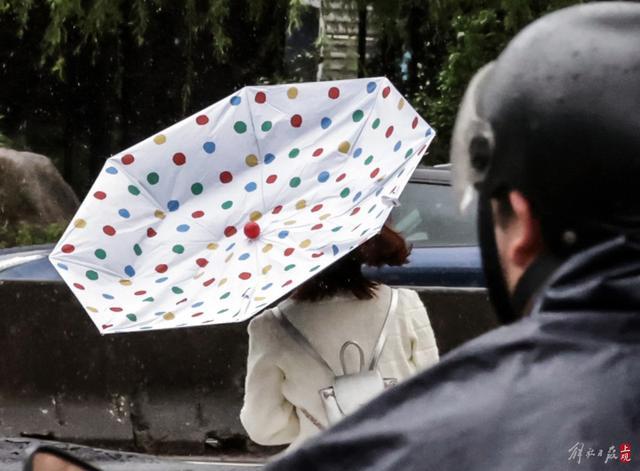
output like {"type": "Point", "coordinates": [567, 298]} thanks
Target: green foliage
{"type": "Point", "coordinates": [29, 234]}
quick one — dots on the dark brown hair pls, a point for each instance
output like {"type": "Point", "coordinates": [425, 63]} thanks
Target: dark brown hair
{"type": "Point", "coordinates": [345, 275]}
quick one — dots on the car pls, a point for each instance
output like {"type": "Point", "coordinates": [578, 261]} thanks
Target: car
{"type": "Point", "coordinates": [180, 391]}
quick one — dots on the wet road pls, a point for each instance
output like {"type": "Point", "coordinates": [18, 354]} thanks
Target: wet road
{"type": "Point", "coordinates": [13, 451]}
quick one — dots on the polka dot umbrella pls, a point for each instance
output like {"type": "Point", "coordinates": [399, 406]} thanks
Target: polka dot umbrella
{"type": "Point", "coordinates": [221, 214]}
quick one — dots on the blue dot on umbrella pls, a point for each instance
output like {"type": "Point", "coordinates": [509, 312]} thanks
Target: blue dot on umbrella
{"type": "Point", "coordinates": [162, 280]}
{"type": "Point", "coordinates": [235, 100]}
{"type": "Point", "coordinates": [107, 296]}
{"type": "Point", "coordinates": [129, 270]}
{"type": "Point", "coordinates": [183, 228]}
{"type": "Point", "coordinates": [111, 170]}
{"type": "Point", "coordinates": [268, 158]}
{"type": "Point", "coordinates": [62, 266]}
{"type": "Point", "coordinates": [323, 176]}
{"type": "Point", "coordinates": [251, 186]}
{"type": "Point", "coordinates": [173, 205]}
{"type": "Point", "coordinates": [198, 304]}
{"type": "Point", "coordinates": [335, 249]}
{"type": "Point", "coordinates": [267, 286]}
{"type": "Point", "coordinates": [283, 234]}
{"type": "Point", "coordinates": [209, 147]}
{"type": "Point", "coordinates": [244, 256]}
{"type": "Point", "coordinates": [428, 133]}
{"type": "Point", "coordinates": [357, 152]}
{"type": "Point", "coordinates": [230, 247]}
{"type": "Point", "coordinates": [357, 196]}
{"type": "Point", "coordinates": [124, 213]}
{"type": "Point", "coordinates": [325, 123]}
{"type": "Point", "coordinates": [396, 148]}
{"type": "Point", "coordinates": [371, 86]}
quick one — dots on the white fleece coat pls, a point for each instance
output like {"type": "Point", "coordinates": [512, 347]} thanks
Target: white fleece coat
{"type": "Point", "coordinates": [283, 380]}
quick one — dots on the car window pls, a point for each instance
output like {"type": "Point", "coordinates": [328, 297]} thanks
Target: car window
{"type": "Point", "coordinates": [428, 217]}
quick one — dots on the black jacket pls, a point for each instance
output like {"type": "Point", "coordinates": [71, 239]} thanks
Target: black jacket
{"type": "Point", "coordinates": [560, 385]}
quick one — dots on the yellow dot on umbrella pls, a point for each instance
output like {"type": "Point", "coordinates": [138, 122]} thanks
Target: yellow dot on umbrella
{"type": "Point", "coordinates": [267, 247]}
{"type": "Point", "coordinates": [401, 103]}
{"type": "Point", "coordinates": [229, 257]}
{"type": "Point", "coordinates": [159, 214]}
{"type": "Point", "coordinates": [289, 223]}
{"type": "Point", "coordinates": [212, 246]}
{"type": "Point", "coordinates": [80, 223]}
{"type": "Point", "coordinates": [125, 282]}
{"type": "Point", "coordinates": [160, 139]}
{"type": "Point", "coordinates": [301, 204]}
{"type": "Point", "coordinates": [266, 269]}
{"type": "Point", "coordinates": [259, 298]}
{"type": "Point", "coordinates": [292, 93]}
{"type": "Point", "coordinates": [91, 309]}
{"type": "Point", "coordinates": [344, 147]}
{"type": "Point", "coordinates": [325, 216]}
{"type": "Point", "coordinates": [222, 282]}
{"type": "Point", "coordinates": [305, 243]}
{"type": "Point", "coordinates": [168, 316]}
{"type": "Point", "coordinates": [254, 216]}
{"type": "Point", "coordinates": [251, 160]}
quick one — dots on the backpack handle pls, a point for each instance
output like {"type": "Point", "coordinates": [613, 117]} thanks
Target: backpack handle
{"type": "Point", "coordinates": [347, 344]}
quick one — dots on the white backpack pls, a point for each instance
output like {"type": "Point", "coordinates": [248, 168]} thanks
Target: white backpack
{"type": "Point", "coordinates": [349, 390]}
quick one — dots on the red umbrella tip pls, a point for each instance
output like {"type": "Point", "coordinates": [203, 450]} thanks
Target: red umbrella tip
{"type": "Point", "coordinates": [252, 230]}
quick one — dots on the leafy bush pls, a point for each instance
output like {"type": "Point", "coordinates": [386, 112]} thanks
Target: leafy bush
{"type": "Point", "coordinates": [30, 234]}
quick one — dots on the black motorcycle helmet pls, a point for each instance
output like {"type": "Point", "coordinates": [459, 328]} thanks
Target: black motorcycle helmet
{"type": "Point", "coordinates": [556, 117]}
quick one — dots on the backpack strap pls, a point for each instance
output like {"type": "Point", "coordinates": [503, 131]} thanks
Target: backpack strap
{"type": "Point", "coordinates": [299, 338]}
{"type": "Point", "coordinates": [382, 338]}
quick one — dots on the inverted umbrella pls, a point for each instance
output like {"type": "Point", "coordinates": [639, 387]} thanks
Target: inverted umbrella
{"type": "Point", "coordinates": [225, 212]}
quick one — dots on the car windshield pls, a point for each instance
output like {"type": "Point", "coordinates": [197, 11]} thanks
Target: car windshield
{"type": "Point", "coordinates": [428, 217]}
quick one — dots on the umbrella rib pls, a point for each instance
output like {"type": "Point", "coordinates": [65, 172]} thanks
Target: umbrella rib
{"type": "Point", "coordinates": [255, 135]}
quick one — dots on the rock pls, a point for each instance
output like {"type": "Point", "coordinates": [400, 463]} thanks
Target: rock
{"type": "Point", "coordinates": [32, 191]}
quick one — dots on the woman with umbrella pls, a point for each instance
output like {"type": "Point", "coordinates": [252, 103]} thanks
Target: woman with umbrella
{"type": "Point", "coordinates": [282, 404]}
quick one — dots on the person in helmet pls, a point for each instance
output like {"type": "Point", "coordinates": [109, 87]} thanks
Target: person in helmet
{"type": "Point", "coordinates": [549, 137]}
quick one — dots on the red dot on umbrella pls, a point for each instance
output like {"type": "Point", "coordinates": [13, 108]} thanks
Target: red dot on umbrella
{"type": "Point", "coordinates": [317, 254]}
{"type": "Point", "coordinates": [252, 230]}
{"type": "Point", "coordinates": [127, 159]}
{"type": "Point", "coordinates": [197, 214]}
{"type": "Point", "coordinates": [261, 97]}
{"type": "Point", "coordinates": [389, 131]}
{"type": "Point", "coordinates": [385, 92]}
{"type": "Point", "coordinates": [316, 208]}
{"type": "Point", "coordinates": [197, 314]}
{"type": "Point", "coordinates": [287, 283]}
{"type": "Point", "coordinates": [100, 195]}
{"type": "Point", "coordinates": [288, 251]}
{"type": "Point", "coordinates": [414, 124]}
{"type": "Point", "coordinates": [179, 158]}
{"type": "Point", "coordinates": [318, 152]}
{"type": "Point", "coordinates": [334, 92]}
{"type": "Point", "coordinates": [151, 232]}
{"type": "Point", "coordinates": [316, 227]}
{"type": "Point", "coordinates": [202, 262]}
{"type": "Point", "coordinates": [67, 248]}
{"type": "Point", "coordinates": [140, 293]}
{"type": "Point", "coordinates": [355, 211]}
{"type": "Point", "coordinates": [277, 209]}
{"type": "Point", "coordinates": [116, 309]}
{"type": "Point", "coordinates": [202, 119]}
{"type": "Point", "coordinates": [226, 177]}
{"type": "Point", "coordinates": [109, 230]}
{"type": "Point", "coordinates": [296, 121]}
{"type": "Point", "coordinates": [341, 177]}
{"type": "Point", "coordinates": [161, 268]}
{"type": "Point", "coordinates": [244, 275]}
{"type": "Point", "coordinates": [375, 173]}
{"type": "Point", "coordinates": [229, 231]}
{"type": "Point", "coordinates": [272, 178]}
{"type": "Point", "coordinates": [209, 282]}
{"type": "Point", "coordinates": [78, 285]}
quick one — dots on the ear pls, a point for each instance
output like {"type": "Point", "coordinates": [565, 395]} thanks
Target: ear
{"type": "Point", "coordinates": [525, 242]}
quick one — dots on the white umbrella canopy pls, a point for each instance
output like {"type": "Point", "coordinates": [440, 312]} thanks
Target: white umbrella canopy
{"type": "Point", "coordinates": [223, 213]}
